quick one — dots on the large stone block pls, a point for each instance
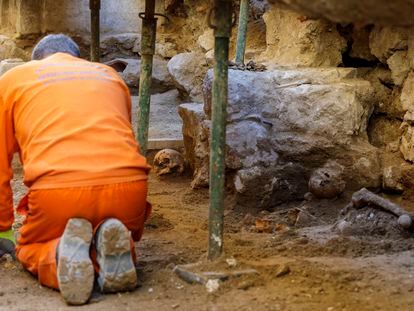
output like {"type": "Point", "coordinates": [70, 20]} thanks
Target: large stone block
{"type": "Point", "coordinates": [188, 71]}
{"type": "Point", "coordinates": [284, 124]}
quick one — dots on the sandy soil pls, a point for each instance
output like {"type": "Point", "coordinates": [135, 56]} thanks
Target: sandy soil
{"type": "Point", "coordinates": [327, 271]}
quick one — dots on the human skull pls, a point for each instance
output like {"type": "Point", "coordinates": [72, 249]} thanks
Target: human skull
{"type": "Point", "coordinates": [168, 161]}
{"type": "Point", "coordinates": [326, 182]}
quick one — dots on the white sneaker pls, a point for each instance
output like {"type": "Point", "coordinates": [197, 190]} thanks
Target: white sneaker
{"type": "Point", "coordinates": [75, 272]}
{"type": "Point", "coordinates": [114, 256]}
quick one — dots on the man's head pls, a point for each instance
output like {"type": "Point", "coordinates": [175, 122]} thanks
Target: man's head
{"type": "Point", "coordinates": [52, 44]}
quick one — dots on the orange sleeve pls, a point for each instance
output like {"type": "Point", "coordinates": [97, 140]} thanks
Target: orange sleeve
{"type": "Point", "coordinates": [129, 101]}
{"type": "Point", "coordinates": [8, 146]}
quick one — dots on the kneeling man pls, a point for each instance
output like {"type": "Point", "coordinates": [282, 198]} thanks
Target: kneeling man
{"type": "Point", "coordinates": [70, 122]}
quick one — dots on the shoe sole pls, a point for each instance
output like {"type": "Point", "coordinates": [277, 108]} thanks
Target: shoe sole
{"type": "Point", "coordinates": [75, 270]}
{"type": "Point", "coordinates": [117, 270]}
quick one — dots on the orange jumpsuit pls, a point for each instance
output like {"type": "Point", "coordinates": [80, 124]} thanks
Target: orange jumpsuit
{"type": "Point", "coordinates": [70, 122]}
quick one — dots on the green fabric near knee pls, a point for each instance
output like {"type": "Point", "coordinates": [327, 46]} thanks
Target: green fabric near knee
{"type": "Point", "coordinates": [9, 235]}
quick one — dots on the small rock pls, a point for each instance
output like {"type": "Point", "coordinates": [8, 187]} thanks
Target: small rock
{"type": "Point", "coordinates": [245, 285]}
{"type": "Point", "coordinates": [175, 306]}
{"type": "Point", "coordinates": [212, 286]}
{"type": "Point", "coordinates": [405, 221]}
{"type": "Point", "coordinates": [263, 225]}
{"type": "Point", "coordinates": [150, 290]}
{"type": "Point", "coordinates": [308, 196]}
{"type": "Point", "coordinates": [343, 226]}
{"type": "Point", "coordinates": [231, 262]}
{"type": "Point", "coordinates": [282, 270]}
{"type": "Point", "coordinates": [281, 228]}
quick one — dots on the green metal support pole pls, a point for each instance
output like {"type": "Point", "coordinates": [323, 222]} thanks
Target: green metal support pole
{"type": "Point", "coordinates": [242, 31]}
{"type": "Point", "coordinates": [148, 36]}
{"type": "Point", "coordinates": [222, 24]}
{"type": "Point", "coordinates": [95, 7]}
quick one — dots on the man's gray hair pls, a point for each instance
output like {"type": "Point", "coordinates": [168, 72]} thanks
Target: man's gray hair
{"type": "Point", "coordinates": [52, 44]}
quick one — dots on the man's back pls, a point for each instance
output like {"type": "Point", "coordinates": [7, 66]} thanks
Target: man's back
{"type": "Point", "coordinates": [71, 119]}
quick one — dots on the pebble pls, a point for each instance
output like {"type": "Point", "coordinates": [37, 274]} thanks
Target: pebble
{"type": "Point", "coordinates": [308, 196]}
{"type": "Point", "coordinates": [231, 262]}
{"type": "Point", "coordinates": [245, 285]}
{"type": "Point", "coordinates": [212, 285]}
{"type": "Point", "coordinates": [282, 270]}
{"type": "Point", "coordinates": [405, 221]}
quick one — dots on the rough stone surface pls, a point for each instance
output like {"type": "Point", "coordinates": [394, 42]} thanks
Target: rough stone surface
{"type": "Point", "coordinates": [206, 40]}
{"type": "Point", "coordinates": [369, 221]}
{"type": "Point", "coordinates": [400, 67]}
{"type": "Point", "coordinates": [398, 175]}
{"type": "Point", "coordinates": [383, 130]}
{"type": "Point", "coordinates": [188, 71]}
{"type": "Point", "coordinates": [410, 51]}
{"type": "Point", "coordinates": [291, 41]}
{"type": "Point", "coordinates": [283, 124]}
{"type": "Point", "coordinates": [407, 142]}
{"type": "Point", "coordinates": [8, 49]}
{"type": "Point", "coordinates": [125, 45]}
{"type": "Point", "coordinates": [383, 12]}
{"type": "Point", "coordinates": [386, 98]}
{"type": "Point", "coordinates": [385, 41]}
{"type": "Point", "coordinates": [326, 182]}
{"type": "Point", "coordinates": [7, 64]}
{"type": "Point", "coordinates": [166, 50]}
{"type": "Point", "coordinates": [196, 143]}
{"type": "Point", "coordinates": [130, 69]}
{"type": "Point", "coordinates": [407, 98]}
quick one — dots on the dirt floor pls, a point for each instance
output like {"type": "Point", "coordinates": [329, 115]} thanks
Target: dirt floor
{"type": "Point", "coordinates": [299, 267]}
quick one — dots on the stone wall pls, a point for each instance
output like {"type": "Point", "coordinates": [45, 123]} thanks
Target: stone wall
{"type": "Point", "coordinates": [304, 112]}
{"type": "Point", "coordinates": [42, 16]}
